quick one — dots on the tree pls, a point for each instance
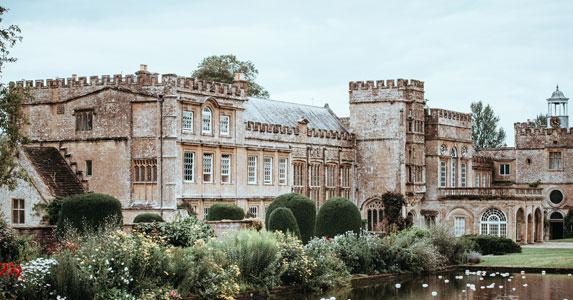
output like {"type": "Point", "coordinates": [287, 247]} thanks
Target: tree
{"type": "Point", "coordinates": [540, 121]}
{"type": "Point", "coordinates": [11, 117]}
{"type": "Point", "coordinates": [221, 68]}
{"type": "Point", "coordinates": [484, 127]}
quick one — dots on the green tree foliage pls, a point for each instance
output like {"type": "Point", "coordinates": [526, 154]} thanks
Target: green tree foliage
{"type": "Point", "coordinates": [11, 118]}
{"type": "Point", "coordinates": [89, 212]}
{"type": "Point", "coordinates": [489, 244]}
{"type": "Point", "coordinates": [337, 216]}
{"type": "Point", "coordinates": [282, 219]}
{"type": "Point", "coordinates": [303, 209]}
{"type": "Point", "coordinates": [569, 224]}
{"type": "Point", "coordinates": [147, 218]}
{"type": "Point", "coordinates": [219, 212]}
{"type": "Point", "coordinates": [221, 68]}
{"type": "Point", "coordinates": [485, 133]}
{"type": "Point", "coordinates": [540, 121]}
{"type": "Point", "coordinates": [393, 220]}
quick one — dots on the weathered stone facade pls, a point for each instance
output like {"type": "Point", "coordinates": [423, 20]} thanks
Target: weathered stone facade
{"type": "Point", "coordinates": [163, 143]}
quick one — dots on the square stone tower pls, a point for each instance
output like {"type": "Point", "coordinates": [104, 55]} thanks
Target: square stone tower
{"type": "Point", "coordinates": [387, 118]}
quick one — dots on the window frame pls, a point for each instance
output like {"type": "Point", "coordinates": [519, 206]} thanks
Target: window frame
{"type": "Point", "coordinates": [206, 172]}
{"type": "Point", "coordinates": [283, 171]}
{"type": "Point", "coordinates": [189, 166]}
{"type": "Point", "coordinates": [228, 118]}
{"type": "Point", "coordinates": [189, 119]}
{"type": "Point", "coordinates": [206, 120]}
{"type": "Point", "coordinates": [504, 169]}
{"type": "Point", "coordinates": [89, 167]}
{"type": "Point", "coordinates": [226, 166]}
{"type": "Point", "coordinates": [252, 168]}
{"type": "Point", "coordinates": [84, 119]}
{"type": "Point", "coordinates": [459, 230]}
{"type": "Point", "coordinates": [553, 160]}
{"type": "Point", "coordinates": [443, 174]}
{"type": "Point", "coordinates": [18, 211]}
{"type": "Point", "coordinates": [267, 170]}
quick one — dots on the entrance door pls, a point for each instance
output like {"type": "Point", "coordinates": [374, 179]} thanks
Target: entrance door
{"type": "Point", "coordinates": [556, 230]}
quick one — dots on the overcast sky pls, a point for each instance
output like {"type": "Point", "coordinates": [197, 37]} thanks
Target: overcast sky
{"type": "Point", "coordinates": [510, 54]}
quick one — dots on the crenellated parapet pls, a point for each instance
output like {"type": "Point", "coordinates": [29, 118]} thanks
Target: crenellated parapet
{"type": "Point", "coordinates": [139, 81]}
{"type": "Point", "coordinates": [386, 84]}
{"type": "Point", "coordinates": [435, 114]}
{"type": "Point", "coordinates": [289, 130]}
{"type": "Point", "coordinates": [530, 129]}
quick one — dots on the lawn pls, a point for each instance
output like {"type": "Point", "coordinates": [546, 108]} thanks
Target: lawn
{"type": "Point", "coordinates": [532, 257]}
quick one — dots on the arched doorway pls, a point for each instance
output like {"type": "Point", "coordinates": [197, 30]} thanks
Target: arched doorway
{"type": "Point", "coordinates": [538, 225]}
{"type": "Point", "coordinates": [520, 233]}
{"type": "Point", "coordinates": [556, 225]}
{"type": "Point", "coordinates": [375, 214]}
{"type": "Point", "coordinates": [493, 222]}
{"type": "Point", "coordinates": [410, 218]}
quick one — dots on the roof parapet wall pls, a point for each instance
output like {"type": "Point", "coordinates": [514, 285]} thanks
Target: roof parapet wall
{"type": "Point", "coordinates": [437, 113]}
{"type": "Point", "coordinates": [386, 84]}
{"type": "Point", "coordinates": [145, 80]}
{"type": "Point", "coordinates": [311, 132]}
{"type": "Point", "coordinates": [529, 129]}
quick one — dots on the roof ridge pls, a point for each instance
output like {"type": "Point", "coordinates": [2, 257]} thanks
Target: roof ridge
{"type": "Point", "coordinates": [288, 102]}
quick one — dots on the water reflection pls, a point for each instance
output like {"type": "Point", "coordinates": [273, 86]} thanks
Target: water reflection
{"type": "Point", "coordinates": [459, 286]}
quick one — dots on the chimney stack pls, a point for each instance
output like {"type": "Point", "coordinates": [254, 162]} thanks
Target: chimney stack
{"type": "Point", "coordinates": [142, 74]}
{"type": "Point", "coordinates": [240, 82]}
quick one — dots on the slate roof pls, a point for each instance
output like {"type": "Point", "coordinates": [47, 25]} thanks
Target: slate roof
{"type": "Point", "coordinates": [288, 114]}
{"type": "Point", "coordinates": [54, 171]}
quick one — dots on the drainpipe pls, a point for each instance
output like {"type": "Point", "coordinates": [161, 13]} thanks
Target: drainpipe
{"type": "Point", "coordinates": [160, 100]}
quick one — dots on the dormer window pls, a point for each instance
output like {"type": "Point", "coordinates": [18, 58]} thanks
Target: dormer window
{"type": "Point", "coordinates": [206, 117]}
{"type": "Point", "coordinates": [84, 120]}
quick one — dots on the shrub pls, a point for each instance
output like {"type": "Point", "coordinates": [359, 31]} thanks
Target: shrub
{"type": "Point", "coordinates": [36, 279]}
{"type": "Point", "coordinates": [488, 244]}
{"type": "Point", "coordinates": [203, 271]}
{"type": "Point", "coordinates": [256, 253]}
{"type": "Point", "coordinates": [328, 270]}
{"type": "Point", "coordinates": [282, 219]}
{"type": "Point", "coordinates": [51, 210]}
{"type": "Point", "coordinates": [179, 233]}
{"type": "Point", "coordinates": [219, 212]}
{"type": "Point", "coordinates": [362, 254]}
{"type": "Point", "coordinates": [393, 203]}
{"type": "Point", "coordinates": [147, 218]}
{"type": "Point", "coordinates": [297, 267]}
{"type": "Point", "coordinates": [9, 244]}
{"type": "Point", "coordinates": [412, 250]}
{"type": "Point", "coordinates": [337, 216]}
{"type": "Point", "coordinates": [89, 212]}
{"type": "Point", "coordinates": [303, 209]}
{"type": "Point", "coordinates": [452, 248]}
{"type": "Point", "coordinates": [568, 224]}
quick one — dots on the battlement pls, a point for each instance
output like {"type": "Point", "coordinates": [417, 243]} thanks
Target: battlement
{"type": "Point", "coordinates": [529, 129]}
{"type": "Point", "coordinates": [386, 84]}
{"type": "Point", "coordinates": [437, 113]}
{"type": "Point", "coordinates": [311, 132]}
{"type": "Point", "coordinates": [139, 80]}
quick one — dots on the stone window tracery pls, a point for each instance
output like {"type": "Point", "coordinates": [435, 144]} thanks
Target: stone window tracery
{"type": "Point", "coordinates": [84, 120]}
{"type": "Point", "coordinates": [375, 215]}
{"type": "Point", "coordinates": [555, 161]}
{"type": "Point", "coordinates": [145, 170]}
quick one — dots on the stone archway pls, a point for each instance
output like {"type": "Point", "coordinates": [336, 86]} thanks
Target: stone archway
{"type": "Point", "coordinates": [529, 228]}
{"type": "Point", "coordinates": [556, 228]}
{"type": "Point", "coordinates": [520, 228]}
{"type": "Point", "coordinates": [538, 237]}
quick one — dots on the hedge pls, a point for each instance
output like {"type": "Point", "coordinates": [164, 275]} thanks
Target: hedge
{"type": "Point", "coordinates": [147, 218]}
{"type": "Point", "coordinates": [282, 219]}
{"type": "Point", "coordinates": [303, 210]}
{"type": "Point", "coordinates": [219, 212]}
{"type": "Point", "coordinates": [89, 212]}
{"type": "Point", "coordinates": [489, 244]}
{"type": "Point", "coordinates": [337, 216]}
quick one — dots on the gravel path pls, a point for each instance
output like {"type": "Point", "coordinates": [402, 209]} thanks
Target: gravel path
{"type": "Point", "coordinates": [552, 245]}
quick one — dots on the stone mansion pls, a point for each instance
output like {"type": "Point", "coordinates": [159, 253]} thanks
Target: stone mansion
{"type": "Point", "coordinates": [170, 144]}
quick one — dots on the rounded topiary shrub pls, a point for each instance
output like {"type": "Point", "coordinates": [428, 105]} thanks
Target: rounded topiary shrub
{"type": "Point", "coordinates": [89, 212]}
{"type": "Point", "coordinates": [303, 210]}
{"type": "Point", "coordinates": [282, 219]}
{"type": "Point", "coordinates": [337, 216]}
{"type": "Point", "coordinates": [219, 212]}
{"type": "Point", "coordinates": [147, 218]}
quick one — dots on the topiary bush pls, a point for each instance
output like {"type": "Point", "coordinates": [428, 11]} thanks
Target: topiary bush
{"type": "Point", "coordinates": [303, 209]}
{"type": "Point", "coordinates": [148, 218]}
{"type": "Point", "coordinates": [218, 212]}
{"type": "Point", "coordinates": [337, 216]}
{"type": "Point", "coordinates": [179, 233]}
{"type": "Point", "coordinates": [488, 244]}
{"type": "Point", "coordinates": [89, 212]}
{"type": "Point", "coordinates": [282, 219]}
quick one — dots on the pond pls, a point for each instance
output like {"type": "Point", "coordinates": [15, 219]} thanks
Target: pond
{"type": "Point", "coordinates": [458, 285]}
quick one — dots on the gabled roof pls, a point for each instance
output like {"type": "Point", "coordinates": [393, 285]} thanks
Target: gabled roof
{"type": "Point", "coordinates": [288, 114]}
{"type": "Point", "coordinates": [54, 171]}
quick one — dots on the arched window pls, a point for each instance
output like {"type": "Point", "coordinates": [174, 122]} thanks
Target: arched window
{"type": "Point", "coordinates": [375, 215]}
{"type": "Point", "coordinates": [454, 167]}
{"type": "Point", "coordinates": [206, 116]}
{"type": "Point", "coordinates": [556, 216]}
{"type": "Point", "coordinates": [493, 222]}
